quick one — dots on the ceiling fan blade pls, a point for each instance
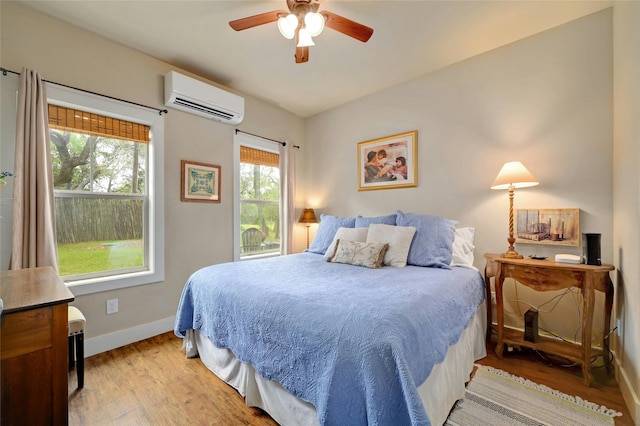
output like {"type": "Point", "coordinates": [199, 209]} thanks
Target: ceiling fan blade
{"type": "Point", "coordinates": [347, 26]}
{"type": "Point", "coordinates": [302, 54]}
{"type": "Point", "coordinates": [255, 20]}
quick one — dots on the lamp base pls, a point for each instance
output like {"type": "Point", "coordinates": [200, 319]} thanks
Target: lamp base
{"type": "Point", "coordinates": [512, 254]}
{"type": "Point", "coordinates": [511, 251]}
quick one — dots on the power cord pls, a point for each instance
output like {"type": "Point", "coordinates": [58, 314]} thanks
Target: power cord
{"type": "Point", "coordinates": [594, 358]}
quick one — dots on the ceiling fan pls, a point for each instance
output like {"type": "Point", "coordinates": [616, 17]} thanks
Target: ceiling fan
{"type": "Point", "coordinates": [303, 21]}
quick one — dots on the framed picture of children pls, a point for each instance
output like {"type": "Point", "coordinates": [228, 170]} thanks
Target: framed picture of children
{"type": "Point", "coordinates": [389, 162]}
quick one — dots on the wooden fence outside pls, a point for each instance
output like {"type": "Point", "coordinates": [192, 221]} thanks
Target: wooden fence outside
{"type": "Point", "coordinates": [98, 219]}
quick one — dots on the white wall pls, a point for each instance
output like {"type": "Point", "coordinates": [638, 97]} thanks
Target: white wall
{"type": "Point", "coordinates": [196, 234]}
{"type": "Point", "coordinates": [626, 175]}
{"type": "Point", "coordinates": [545, 100]}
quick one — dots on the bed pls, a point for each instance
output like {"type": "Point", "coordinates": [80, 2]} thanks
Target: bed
{"type": "Point", "coordinates": [314, 340]}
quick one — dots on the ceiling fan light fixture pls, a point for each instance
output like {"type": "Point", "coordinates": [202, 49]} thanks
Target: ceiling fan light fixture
{"type": "Point", "coordinates": [304, 38]}
{"type": "Point", "coordinates": [314, 22]}
{"type": "Point", "coordinates": [302, 22]}
{"type": "Point", "coordinates": [287, 25]}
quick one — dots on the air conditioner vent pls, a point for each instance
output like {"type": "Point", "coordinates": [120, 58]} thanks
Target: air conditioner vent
{"type": "Point", "coordinates": [188, 104]}
{"type": "Point", "coordinates": [194, 96]}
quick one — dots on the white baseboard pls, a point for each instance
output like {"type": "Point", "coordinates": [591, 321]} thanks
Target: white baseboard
{"type": "Point", "coordinates": [106, 342]}
{"type": "Point", "coordinates": [631, 399]}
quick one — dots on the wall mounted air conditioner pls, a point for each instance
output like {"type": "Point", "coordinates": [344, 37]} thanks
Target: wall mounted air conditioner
{"type": "Point", "coordinates": [188, 94]}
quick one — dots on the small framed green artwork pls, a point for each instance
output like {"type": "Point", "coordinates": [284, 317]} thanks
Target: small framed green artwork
{"type": "Point", "coordinates": [200, 182]}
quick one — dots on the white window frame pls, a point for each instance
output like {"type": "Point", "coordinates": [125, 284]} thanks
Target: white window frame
{"type": "Point", "coordinates": [243, 139]}
{"type": "Point", "coordinates": [154, 221]}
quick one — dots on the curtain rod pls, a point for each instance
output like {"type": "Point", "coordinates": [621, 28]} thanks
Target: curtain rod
{"type": "Point", "coordinates": [262, 137]}
{"type": "Point", "coordinates": [160, 111]}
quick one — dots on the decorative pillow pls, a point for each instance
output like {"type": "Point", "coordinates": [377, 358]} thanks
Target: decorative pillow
{"type": "Point", "coordinates": [462, 248]}
{"type": "Point", "coordinates": [360, 254]}
{"type": "Point", "coordinates": [364, 222]}
{"type": "Point", "coordinates": [351, 234]}
{"type": "Point", "coordinates": [432, 243]}
{"type": "Point", "coordinates": [327, 229]}
{"type": "Point", "coordinates": [399, 240]}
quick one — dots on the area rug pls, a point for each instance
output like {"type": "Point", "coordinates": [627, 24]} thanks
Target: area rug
{"type": "Point", "coordinates": [495, 397]}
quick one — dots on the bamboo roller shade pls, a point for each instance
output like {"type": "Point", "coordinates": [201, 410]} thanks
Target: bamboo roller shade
{"type": "Point", "coordinates": [78, 121]}
{"type": "Point", "coordinates": [261, 158]}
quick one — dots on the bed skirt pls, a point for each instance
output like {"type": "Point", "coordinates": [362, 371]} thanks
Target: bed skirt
{"type": "Point", "coordinates": [444, 386]}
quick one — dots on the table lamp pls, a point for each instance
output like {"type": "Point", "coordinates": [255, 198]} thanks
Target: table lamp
{"type": "Point", "coordinates": [308, 217]}
{"type": "Point", "coordinates": [513, 175]}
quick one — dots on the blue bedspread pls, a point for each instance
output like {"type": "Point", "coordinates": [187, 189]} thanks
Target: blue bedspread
{"type": "Point", "coordinates": [353, 341]}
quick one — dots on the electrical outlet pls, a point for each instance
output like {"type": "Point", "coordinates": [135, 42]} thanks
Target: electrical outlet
{"type": "Point", "coordinates": [619, 327]}
{"type": "Point", "coordinates": [112, 306]}
{"type": "Point", "coordinates": [493, 297]}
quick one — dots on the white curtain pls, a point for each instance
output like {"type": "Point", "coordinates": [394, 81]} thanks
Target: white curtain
{"type": "Point", "coordinates": [34, 233]}
{"type": "Point", "coordinates": [288, 192]}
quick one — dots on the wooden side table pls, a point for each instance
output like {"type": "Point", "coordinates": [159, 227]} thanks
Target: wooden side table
{"type": "Point", "coordinates": [546, 275]}
{"type": "Point", "coordinates": [33, 363]}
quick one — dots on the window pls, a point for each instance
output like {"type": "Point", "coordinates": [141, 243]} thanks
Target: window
{"type": "Point", "coordinates": [108, 188]}
{"type": "Point", "coordinates": [258, 207]}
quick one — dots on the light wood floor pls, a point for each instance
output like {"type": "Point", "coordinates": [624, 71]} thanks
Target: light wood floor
{"type": "Point", "coordinates": [153, 383]}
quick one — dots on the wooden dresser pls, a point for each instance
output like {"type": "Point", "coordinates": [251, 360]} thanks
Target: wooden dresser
{"type": "Point", "coordinates": [33, 347]}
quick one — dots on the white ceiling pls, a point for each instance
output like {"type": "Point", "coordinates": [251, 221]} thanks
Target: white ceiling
{"type": "Point", "coordinates": [410, 39]}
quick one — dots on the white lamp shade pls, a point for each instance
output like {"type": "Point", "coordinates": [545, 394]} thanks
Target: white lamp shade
{"type": "Point", "coordinates": [287, 25]}
{"type": "Point", "coordinates": [314, 22]}
{"type": "Point", "coordinates": [516, 174]}
{"type": "Point", "coordinates": [304, 38]}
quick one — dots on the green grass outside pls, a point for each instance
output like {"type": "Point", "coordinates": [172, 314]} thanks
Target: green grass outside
{"type": "Point", "coordinates": [97, 256]}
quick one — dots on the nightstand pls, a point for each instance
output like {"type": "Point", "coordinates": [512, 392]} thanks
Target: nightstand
{"type": "Point", "coordinates": [547, 275]}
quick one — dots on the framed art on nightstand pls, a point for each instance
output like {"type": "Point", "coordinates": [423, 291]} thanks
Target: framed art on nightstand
{"type": "Point", "coordinates": [199, 182]}
{"type": "Point", "coordinates": [389, 162]}
{"type": "Point", "coordinates": [558, 227]}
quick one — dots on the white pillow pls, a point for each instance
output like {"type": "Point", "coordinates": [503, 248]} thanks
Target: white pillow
{"type": "Point", "coordinates": [351, 234]}
{"type": "Point", "coordinates": [462, 248]}
{"type": "Point", "coordinates": [399, 239]}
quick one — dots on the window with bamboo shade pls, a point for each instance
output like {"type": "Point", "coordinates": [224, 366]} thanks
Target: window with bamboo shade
{"type": "Point", "coordinates": [100, 186]}
{"type": "Point", "coordinates": [108, 166]}
{"type": "Point", "coordinates": [259, 175]}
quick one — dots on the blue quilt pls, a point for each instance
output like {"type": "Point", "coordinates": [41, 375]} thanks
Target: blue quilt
{"type": "Point", "coordinates": [353, 341]}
